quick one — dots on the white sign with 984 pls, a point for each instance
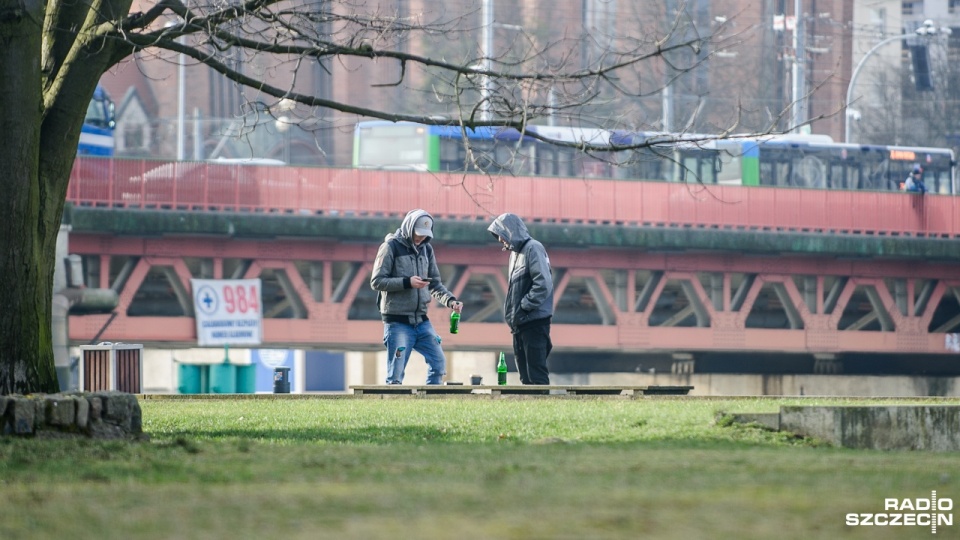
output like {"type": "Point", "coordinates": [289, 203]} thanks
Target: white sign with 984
{"type": "Point", "coordinates": [227, 311]}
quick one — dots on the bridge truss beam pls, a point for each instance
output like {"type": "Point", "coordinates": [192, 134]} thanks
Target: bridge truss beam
{"type": "Point", "coordinates": [316, 294]}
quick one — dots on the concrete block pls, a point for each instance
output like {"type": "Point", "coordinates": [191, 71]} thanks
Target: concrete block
{"type": "Point", "coordinates": [83, 412]}
{"type": "Point", "coordinates": [883, 427]}
{"type": "Point", "coordinates": [60, 411]}
{"type": "Point", "coordinates": [768, 420]}
{"type": "Point", "coordinates": [39, 414]}
{"type": "Point", "coordinates": [24, 412]}
{"type": "Point", "coordinates": [118, 409]}
{"type": "Point", "coordinates": [819, 422]}
{"type": "Point", "coordinates": [96, 408]}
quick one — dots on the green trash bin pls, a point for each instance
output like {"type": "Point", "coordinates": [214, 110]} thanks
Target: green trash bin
{"type": "Point", "coordinates": [190, 376]}
{"type": "Point", "coordinates": [223, 378]}
{"type": "Point", "coordinates": [246, 379]}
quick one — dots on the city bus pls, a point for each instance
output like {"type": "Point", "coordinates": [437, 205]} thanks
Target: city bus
{"type": "Point", "coordinates": [97, 133]}
{"type": "Point", "coordinates": [803, 161]}
{"type": "Point", "coordinates": [416, 147]}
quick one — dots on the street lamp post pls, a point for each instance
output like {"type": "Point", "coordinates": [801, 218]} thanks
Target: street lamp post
{"type": "Point", "coordinates": [487, 45]}
{"type": "Point", "coordinates": [798, 73]}
{"type": "Point", "coordinates": [927, 30]}
{"type": "Point", "coordinates": [486, 63]}
{"type": "Point", "coordinates": [181, 93]}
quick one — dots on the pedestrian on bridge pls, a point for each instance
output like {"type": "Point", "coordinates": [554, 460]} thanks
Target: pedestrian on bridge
{"type": "Point", "coordinates": [405, 276]}
{"type": "Point", "coordinates": [528, 306]}
{"type": "Point", "coordinates": [914, 182]}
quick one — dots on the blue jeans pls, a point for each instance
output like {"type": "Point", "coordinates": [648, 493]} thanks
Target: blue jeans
{"type": "Point", "coordinates": [401, 339]}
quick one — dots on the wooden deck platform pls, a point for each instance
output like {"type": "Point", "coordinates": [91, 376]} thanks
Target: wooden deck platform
{"type": "Point", "coordinates": [543, 390]}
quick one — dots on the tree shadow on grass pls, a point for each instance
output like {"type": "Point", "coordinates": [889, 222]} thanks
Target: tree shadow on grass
{"type": "Point", "coordinates": [366, 435]}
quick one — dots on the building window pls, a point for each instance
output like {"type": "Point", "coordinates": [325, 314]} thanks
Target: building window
{"type": "Point", "coordinates": [133, 137]}
{"type": "Point", "coordinates": [880, 20]}
{"type": "Point", "coordinates": [913, 8]}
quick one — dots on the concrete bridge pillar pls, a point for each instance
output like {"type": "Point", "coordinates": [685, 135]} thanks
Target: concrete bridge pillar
{"type": "Point", "coordinates": [827, 364]}
{"type": "Point", "coordinates": [683, 364]}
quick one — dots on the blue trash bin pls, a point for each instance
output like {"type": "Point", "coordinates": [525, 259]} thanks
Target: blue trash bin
{"type": "Point", "coordinates": [247, 379]}
{"type": "Point", "coordinates": [189, 375]}
{"type": "Point", "coordinates": [223, 378]}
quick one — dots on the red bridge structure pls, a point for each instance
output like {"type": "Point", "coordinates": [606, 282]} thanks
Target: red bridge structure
{"type": "Point", "coordinates": [724, 274]}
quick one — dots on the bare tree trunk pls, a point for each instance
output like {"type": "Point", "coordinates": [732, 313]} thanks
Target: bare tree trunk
{"type": "Point", "coordinates": [26, 352]}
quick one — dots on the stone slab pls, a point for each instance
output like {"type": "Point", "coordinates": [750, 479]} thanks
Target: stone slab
{"type": "Point", "coordinates": [880, 427]}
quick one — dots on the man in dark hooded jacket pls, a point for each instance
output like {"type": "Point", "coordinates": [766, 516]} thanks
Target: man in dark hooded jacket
{"type": "Point", "coordinates": [528, 306]}
{"type": "Point", "coordinates": [405, 276]}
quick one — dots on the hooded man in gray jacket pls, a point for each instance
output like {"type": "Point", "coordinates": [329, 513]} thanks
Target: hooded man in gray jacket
{"type": "Point", "coordinates": [528, 306]}
{"type": "Point", "coordinates": [405, 276]}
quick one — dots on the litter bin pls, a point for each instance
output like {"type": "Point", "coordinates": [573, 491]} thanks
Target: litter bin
{"type": "Point", "coordinates": [111, 366]}
{"type": "Point", "coordinates": [190, 378]}
{"type": "Point", "coordinates": [281, 380]}
{"type": "Point", "coordinates": [223, 378]}
{"type": "Point", "coordinates": [246, 379]}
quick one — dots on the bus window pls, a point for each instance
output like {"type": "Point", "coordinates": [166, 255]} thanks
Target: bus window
{"type": "Point", "coordinates": [729, 170]}
{"type": "Point", "coordinates": [393, 146]}
{"type": "Point", "coordinates": [785, 174]}
{"type": "Point", "coordinates": [809, 172]}
{"type": "Point", "coordinates": [564, 162]}
{"type": "Point", "coordinates": [838, 176]}
{"type": "Point", "coordinates": [661, 164]}
{"type": "Point", "coordinates": [620, 167]}
{"type": "Point", "coordinates": [631, 165]}
{"type": "Point", "coordinates": [457, 156]}
{"type": "Point", "coordinates": [97, 114]}
{"type": "Point", "coordinates": [484, 157]}
{"type": "Point", "coordinates": [530, 165]}
{"type": "Point", "coordinates": [855, 177]}
{"type": "Point", "coordinates": [515, 160]}
{"type": "Point", "coordinates": [939, 182]}
{"type": "Point", "coordinates": [775, 173]}
{"type": "Point", "coordinates": [876, 176]}
{"type": "Point", "coordinates": [697, 170]}
{"type": "Point", "coordinates": [451, 154]}
{"type": "Point", "coordinates": [546, 160]}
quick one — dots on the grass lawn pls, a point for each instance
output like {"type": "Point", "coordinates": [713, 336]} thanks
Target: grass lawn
{"type": "Point", "coordinates": [458, 468]}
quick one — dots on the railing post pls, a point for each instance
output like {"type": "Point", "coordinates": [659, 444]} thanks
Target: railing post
{"type": "Point", "coordinates": [143, 183]}
{"type": "Point", "coordinates": [111, 196]}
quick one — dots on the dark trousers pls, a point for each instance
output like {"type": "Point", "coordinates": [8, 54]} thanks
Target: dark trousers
{"type": "Point", "coordinates": [531, 348]}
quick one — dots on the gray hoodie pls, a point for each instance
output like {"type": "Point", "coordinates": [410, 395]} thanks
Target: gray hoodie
{"type": "Point", "coordinates": [529, 297]}
{"type": "Point", "coordinates": [398, 259]}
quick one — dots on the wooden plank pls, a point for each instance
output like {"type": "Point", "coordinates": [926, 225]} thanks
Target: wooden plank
{"type": "Point", "coordinates": [528, 389]}
{"type": "Point", "coordinates": [594, 390]}
{"type": "Point", "coordinates": [666, 390]}
{"type": "Point", "coordinates": [360, 390]}
{"type": "Point", "coordinates": [443, 389]}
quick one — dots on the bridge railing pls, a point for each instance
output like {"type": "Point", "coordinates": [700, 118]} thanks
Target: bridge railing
{"type": "Point", "coordinates": [297, 190]}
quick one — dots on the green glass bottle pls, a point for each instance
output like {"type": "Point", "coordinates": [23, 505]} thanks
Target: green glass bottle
{"type": "Point", "coordinates": [454, 322]}
{"type": "Point", "coordinates": [502, 370]}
